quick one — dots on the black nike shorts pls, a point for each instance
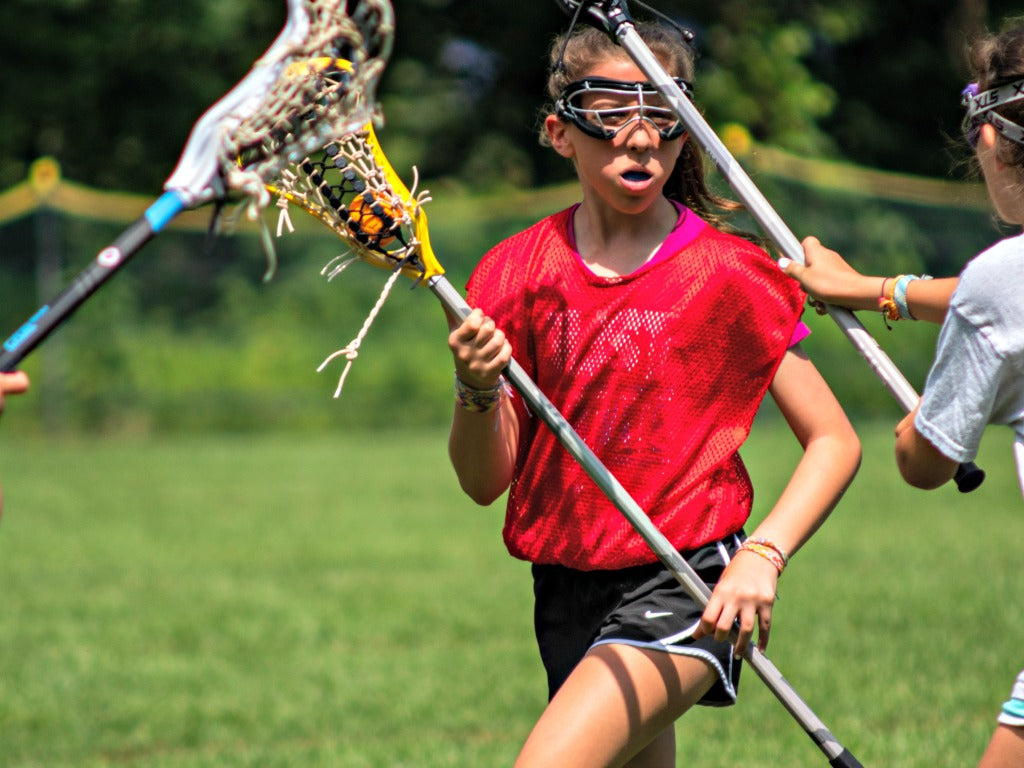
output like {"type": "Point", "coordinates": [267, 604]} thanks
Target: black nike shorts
{"type": "Point", "coordinates": [644, 606]}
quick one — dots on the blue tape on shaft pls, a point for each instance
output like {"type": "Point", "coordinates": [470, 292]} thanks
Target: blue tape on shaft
{"type": "Point", "coordinates": [166, 207]}
{"type": "Point", "coordinates": [25, 331]}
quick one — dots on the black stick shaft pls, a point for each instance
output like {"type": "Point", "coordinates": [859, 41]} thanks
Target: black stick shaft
{"type": "Point", "coordinates": [47, 318]}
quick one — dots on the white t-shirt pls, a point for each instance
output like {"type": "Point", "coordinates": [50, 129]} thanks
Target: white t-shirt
{"type": "Point", "coordinates": [978, 374]}
{"type": "Point", "coordinates": [1013, 710]}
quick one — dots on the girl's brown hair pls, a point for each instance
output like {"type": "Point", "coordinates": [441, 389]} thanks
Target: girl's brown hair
{"type": "Point", "coordinates": [573, 55]}
{"type": "Point", "coordinates": [997, 60]}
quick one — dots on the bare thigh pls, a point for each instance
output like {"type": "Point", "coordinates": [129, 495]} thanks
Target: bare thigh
{"type": "Point", "coordinates": [616, 709]}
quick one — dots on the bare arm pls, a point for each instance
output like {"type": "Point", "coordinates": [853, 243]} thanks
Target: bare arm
{"type": "Point", "coordinates": [831, 453]}
{"type": "Point", "coordinates": [830, 460]}
{"type": "Point", "coordinates": [827, 276]}
{"type": "Point", "coordinates": [920, 463]}
{"type": "Point", "coordinates": [482, 445]}
{"type": "Point", "coordinates": [11, 384]}
{"type": "Point", "coordinates": [929, 299]}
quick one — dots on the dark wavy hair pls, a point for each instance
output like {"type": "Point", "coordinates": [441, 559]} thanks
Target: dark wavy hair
{"type": "Point", "coordinates": [575, 53]}
{"type": "Point", "coordinates": [998, 59]}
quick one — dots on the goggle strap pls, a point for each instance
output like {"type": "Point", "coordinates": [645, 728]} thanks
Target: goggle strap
{"type": "Point", "coordinates": [1007, 128]}
{"type": "Point", "coordinates": [985, 101]}
{"type": "Point", "coordinates": [981, 108]}
{"type": "Point", "coordinates": [619, 86]}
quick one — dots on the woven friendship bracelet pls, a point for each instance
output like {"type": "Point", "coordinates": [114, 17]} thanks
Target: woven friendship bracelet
{"type": "Point", "coordinates": [887, 303]}
{"type": "Point", "coordinates": [478, 400]}
{"type": "Point", "coordinates": [894, 306]}
{"type": "Point", "coordinates": [770, 551]}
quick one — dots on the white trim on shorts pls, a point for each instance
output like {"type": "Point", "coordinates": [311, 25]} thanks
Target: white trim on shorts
{"type": "Point", "coordinates": [666, 644]}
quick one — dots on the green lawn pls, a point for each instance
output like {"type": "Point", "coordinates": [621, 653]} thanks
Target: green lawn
{"type": "Point", "coordinates": [282, 600]}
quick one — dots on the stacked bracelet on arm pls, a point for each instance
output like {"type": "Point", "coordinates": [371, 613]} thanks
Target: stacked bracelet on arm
{"type": "Point", "coordinates": [899, 294]}
{"type": "Point", "coordinates": [770, 551]}
{"type": "Point", "coordinates": [894, 303]}
{"type": "Point", "coordinates": [479, 400]}
{"type": "Point", "coordinates": [886, 302]}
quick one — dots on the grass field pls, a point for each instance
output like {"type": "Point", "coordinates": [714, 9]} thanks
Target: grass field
{"type": "Point", "coordinates": [291, 601]}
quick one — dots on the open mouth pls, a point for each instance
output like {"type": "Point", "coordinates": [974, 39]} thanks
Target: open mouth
{"type": "Point", "coordinates": [636, 176]}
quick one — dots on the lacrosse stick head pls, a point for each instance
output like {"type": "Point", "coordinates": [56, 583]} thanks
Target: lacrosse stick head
{"type": "Point", "coordinates": [350, 185]}
{"type": "Point", "coordinates": [317, 80]}
{"type": "Point", "coordinates": [612, 16]}
{"type": "Point", "coordinates": [606, 15]}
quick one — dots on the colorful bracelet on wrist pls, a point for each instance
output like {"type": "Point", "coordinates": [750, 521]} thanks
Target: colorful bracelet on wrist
{"type": "Point", "coordinates": [770, 551]}
{"type": "Point", "coordinates": [899, 294]}
{"type": "Point", "coordinates": [894, 306]}
{"type": "Point", "coordinates": [478, 400]}
{"type": "Point", "coordinates": [887, 303]}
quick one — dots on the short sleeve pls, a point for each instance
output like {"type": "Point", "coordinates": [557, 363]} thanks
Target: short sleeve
{"type": "Point", "coordinates": [959, 395]}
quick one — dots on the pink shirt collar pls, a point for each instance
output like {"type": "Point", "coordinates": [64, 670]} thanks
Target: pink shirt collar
{"type": "Point", "coordinates": [688, 226]}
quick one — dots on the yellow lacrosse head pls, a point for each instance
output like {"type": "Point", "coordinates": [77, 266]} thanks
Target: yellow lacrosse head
{"type": "Point", "coordinates": [353, 188]}
{"type": "Point", "coordinates": [428, 261]}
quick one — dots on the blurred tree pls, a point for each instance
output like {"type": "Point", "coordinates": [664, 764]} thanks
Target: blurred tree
{"type": "Point", "coordinates": [898, 82]}
{"type": "Point", "coordinates": [112, 87]}
{"type": "Point", "coordinates": [472, 98]}
{"type": "Point", "coordinates": [474, 95]}
{"type": "Point", "coordinates": [757, 69]}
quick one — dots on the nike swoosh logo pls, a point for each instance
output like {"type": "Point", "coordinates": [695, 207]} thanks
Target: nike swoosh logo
{"type": "Point", "coordinates": [656, 614]}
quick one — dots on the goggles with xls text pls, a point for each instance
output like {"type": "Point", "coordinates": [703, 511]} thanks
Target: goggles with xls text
{"type": "Point", "coordinates": [980, 108]}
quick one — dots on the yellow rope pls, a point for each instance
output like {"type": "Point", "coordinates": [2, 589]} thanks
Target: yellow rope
{"type": "Point", "coordinates": [45, 188]}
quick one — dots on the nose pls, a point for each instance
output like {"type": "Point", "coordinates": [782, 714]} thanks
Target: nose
{"type": "Point", "coordinates": [641, 135]}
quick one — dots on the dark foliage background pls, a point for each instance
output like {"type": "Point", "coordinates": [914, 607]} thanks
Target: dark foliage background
{"type": "Point", "coordinates": [111, 87]}
{"type": "Point", "coordinates": [190, 337]}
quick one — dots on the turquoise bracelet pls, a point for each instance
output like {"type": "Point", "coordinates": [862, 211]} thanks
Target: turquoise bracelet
{"type": "Point", "coordinates": [899, 294]}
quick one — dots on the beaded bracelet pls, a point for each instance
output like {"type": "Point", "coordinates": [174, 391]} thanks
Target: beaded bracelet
{"type": "Point", "coordinates": [770, 551]}
{"type": "Point", "coordinates": [478, 400]}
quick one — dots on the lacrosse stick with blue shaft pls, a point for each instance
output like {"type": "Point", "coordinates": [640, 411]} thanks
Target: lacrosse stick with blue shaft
{"type": "Point", "coordinates": [299, 113]}
{"type": "Point", "coordinates": [613, 17]}
{"type": "Point", "coordinates": [352, 188]}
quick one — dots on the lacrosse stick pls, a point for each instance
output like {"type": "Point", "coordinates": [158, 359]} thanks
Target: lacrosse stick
{"type": "Point", "coordinates": [352, 188]}
{"type": "Point", "coordinates": [612, 16]}
{"type": "Point", "coordinates": [287, 115]}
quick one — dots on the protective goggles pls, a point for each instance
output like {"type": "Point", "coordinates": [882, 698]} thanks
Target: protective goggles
{"type": "Point", "coordinates": [618, 104]}
{"type": "Point", "coordinates": [980, 106]}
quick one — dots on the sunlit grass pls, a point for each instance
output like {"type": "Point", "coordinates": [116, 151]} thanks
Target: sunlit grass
{"type": "Point", "coordinates": [285, 600]}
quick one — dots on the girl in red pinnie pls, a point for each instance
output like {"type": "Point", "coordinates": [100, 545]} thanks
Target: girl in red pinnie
{"type": "Point", "coordinates": [656, 334]}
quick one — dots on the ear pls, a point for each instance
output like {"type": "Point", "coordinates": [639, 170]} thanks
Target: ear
{"type": "Point", "coordinates": [988, 138]}
{"type": "Point", "coordinates": [987, 135]}
{"type": "Point", "coordinates": [558, 135]}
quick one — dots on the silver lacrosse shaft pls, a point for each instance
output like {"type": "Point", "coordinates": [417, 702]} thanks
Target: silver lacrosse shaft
{"type": "Point", "coordinates": [674, 562]}
{"type": "Point", "coordinates": [968, 476]}
{"type": "Point", "coordinates": [760, 209]}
